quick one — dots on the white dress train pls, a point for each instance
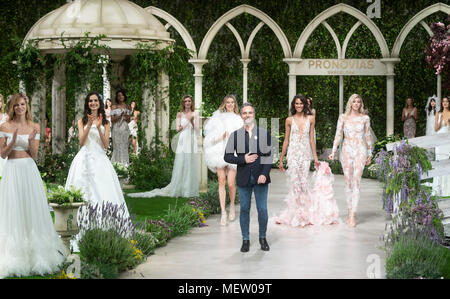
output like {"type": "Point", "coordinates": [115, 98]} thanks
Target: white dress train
{"type": "Point", "coordinates": [185, 174]}
{"type": "Point", "coordinates": [29, 244]}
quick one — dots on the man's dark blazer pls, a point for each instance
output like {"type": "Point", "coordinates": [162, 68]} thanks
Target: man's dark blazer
{"type": "Point", "coordinates": [239, 144]}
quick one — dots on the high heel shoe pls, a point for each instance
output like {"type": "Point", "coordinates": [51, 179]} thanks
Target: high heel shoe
{"type": "Point", "coordinates": [352, 222]}
{"type": "Point", "coordinates": [223, 219]}
{"type": "Point", "coordinates": [232, 213]}
{"type": "Point", "coordinates": [349, 216]}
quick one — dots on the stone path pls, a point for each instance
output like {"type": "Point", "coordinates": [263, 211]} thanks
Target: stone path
{"type": "Point", "coordinates": [335, 251]}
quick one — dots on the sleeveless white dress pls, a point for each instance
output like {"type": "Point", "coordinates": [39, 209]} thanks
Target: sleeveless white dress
{"type": "Point", "coordinates": [217, 125]}
{"type": "Point", "coordinates": [441, 184]}
{"type": "Point", "coordinates": [186, 173]}
{"type": "Point", "coordinates": [120, 133]}
{"type": "Point", "coordinates": [29, 244]}
{"type": "Point", "coordinates": [92, 171]}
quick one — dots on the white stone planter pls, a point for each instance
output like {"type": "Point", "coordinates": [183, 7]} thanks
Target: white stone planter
{"type": "Point", "coordinates": [66, 223]}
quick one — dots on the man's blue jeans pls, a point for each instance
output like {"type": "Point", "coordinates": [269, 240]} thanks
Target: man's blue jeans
{"type": "Point", "coordinates": [245, 196]}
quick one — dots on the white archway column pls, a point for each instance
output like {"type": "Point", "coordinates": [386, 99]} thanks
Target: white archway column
{"type": "Point", "coordinates": [162, 108]}
{"type": "Point", "coordinates": [203, 169]}
{"type": "Point", "coordinates": [38, 109]}
{"type": "Point", "coordinates": [390, 64]}
{"type": "Point", "coordinates": [292, 63]}
{"type": "Point", "coordinates": [341, 94]}
{"type": "Point", "coordinates": [245, 63]}
{"type": "Point", "coordinates": [59, 109]}
{"type": "Point", "coordinates": [80, 96]}
{"type": "Point", "coordinates": [198, 66]}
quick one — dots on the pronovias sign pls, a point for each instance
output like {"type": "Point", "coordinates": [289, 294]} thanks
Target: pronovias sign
{"type": "Point", "coordinates": [346, 67]}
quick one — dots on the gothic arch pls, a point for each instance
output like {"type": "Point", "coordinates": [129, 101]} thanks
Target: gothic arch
{"type": "Point", "coordinates": [231, 14]}
{"type": "Point", "coordinates": [323, 16]}
{"type": "Point", "coordinates": [413, 22]}
{"type": "Point", "coordinates": [172, 21]}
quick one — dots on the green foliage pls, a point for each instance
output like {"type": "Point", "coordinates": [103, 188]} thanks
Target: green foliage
{"type": "Point", "coordinates": [120, 169]}
{"type": "Point", "coordinates": [62, 197]}
{"type": "Point", "coordinates": [106, 247]}
{"type": "Point", "coordinates": [98, 271]}
{"type": "Point", "coordinates": [267, 77]}
{"type": "Point", "coordinates": [414, 256]}
{"type": "Point", "coordinates": [181, 219]}
{"type": "Point", "coordinates": [155, 163]}
{"type": "Point", "coordinates": [55, 168]}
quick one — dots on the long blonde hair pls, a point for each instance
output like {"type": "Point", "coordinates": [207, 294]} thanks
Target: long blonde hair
{"type": "Point", "coordinates": [353, 97]}
{"type": "Point", "coordinates": [222, 107]}
{"type": "Point", "coordinates": [14, 100]}
{"type": "Point", "coordinates": [182, 103]}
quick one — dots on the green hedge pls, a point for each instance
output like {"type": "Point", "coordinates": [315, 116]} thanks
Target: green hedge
{"type": "Point", "coordinates": [268, 80]}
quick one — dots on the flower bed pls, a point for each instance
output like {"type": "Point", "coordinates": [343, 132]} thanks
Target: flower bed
{"type": "Point", "coordinates": [414, 239]}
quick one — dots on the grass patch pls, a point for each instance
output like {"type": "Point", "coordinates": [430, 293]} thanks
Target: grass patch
{"type": "Point", "coordinates": [151, 208]}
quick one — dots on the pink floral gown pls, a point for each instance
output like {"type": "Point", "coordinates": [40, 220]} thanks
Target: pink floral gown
{"type": "Point", "coordinates": [307, 203]}
{"type": "Point", "coordinates": [355, 150]}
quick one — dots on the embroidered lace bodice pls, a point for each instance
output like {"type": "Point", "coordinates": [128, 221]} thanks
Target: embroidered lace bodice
{"type": "Point", "coordinates": [356, 132]}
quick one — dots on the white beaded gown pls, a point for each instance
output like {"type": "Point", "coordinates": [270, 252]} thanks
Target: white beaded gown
{"type": "Point", "coordinates": [214, 145]}
{"type": "Point", "coordinates": [120, 133]}
{"type": "Point", "coordinates": [185, 173]}
{"type": "Point", "coordinates": [29, 244]}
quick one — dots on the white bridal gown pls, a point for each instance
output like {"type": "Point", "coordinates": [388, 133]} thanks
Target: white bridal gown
{"type": "Point", "coordinates": [441, 184]}
{"type": "Point", "coordinates": [29, 244]}
{"type": "Point", "coordinates": [93, 172]}
{"type": "Point", "coordinates": [185, 173]}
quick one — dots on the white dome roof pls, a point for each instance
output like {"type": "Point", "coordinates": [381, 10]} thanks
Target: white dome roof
{"type": "Point", "coordinates": [124, 23]}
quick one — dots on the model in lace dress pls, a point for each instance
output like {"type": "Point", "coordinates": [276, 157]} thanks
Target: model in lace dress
{"type": "Point", "coordinates": [217, 129]}
{"type": "Point", "coordinates": [120, 117]}
{"type": "Point", "coordinates": [356, 150]}
{"type": "Point", "coordinates": [304, 202]}
{"type": "Point", "coordinates": [441, 184]}
{"type": "Point", "coordinates": [409, 118]}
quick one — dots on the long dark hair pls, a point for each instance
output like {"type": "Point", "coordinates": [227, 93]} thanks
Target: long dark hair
{"type": "Point", "coordinates": [442, 103]}
{"type": "Point", "coordinates": [124, 96]}
{"type": "Point", "coordinates": [306, 110]}
{"type": "Point", "coordinates": [87, 110]}
{"type": "Point", "coordinates": [429, 108]}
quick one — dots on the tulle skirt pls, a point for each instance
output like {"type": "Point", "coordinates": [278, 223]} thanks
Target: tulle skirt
{"type": "Point", "coordinates": [29, 244]}
{"type": "Point", "coordinates": [2, 165]}
{"type": "Point", "coordinates": [92, 171]}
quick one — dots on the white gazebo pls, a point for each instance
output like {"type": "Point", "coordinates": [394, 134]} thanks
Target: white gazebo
{"type": "Point", "coordinates": [124, 24]}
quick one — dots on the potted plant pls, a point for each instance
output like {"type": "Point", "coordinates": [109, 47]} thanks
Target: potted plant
{"type": "Point", "coordinates": [122, 173]}
{"type": "Point", "coordinates": [65, 204]}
